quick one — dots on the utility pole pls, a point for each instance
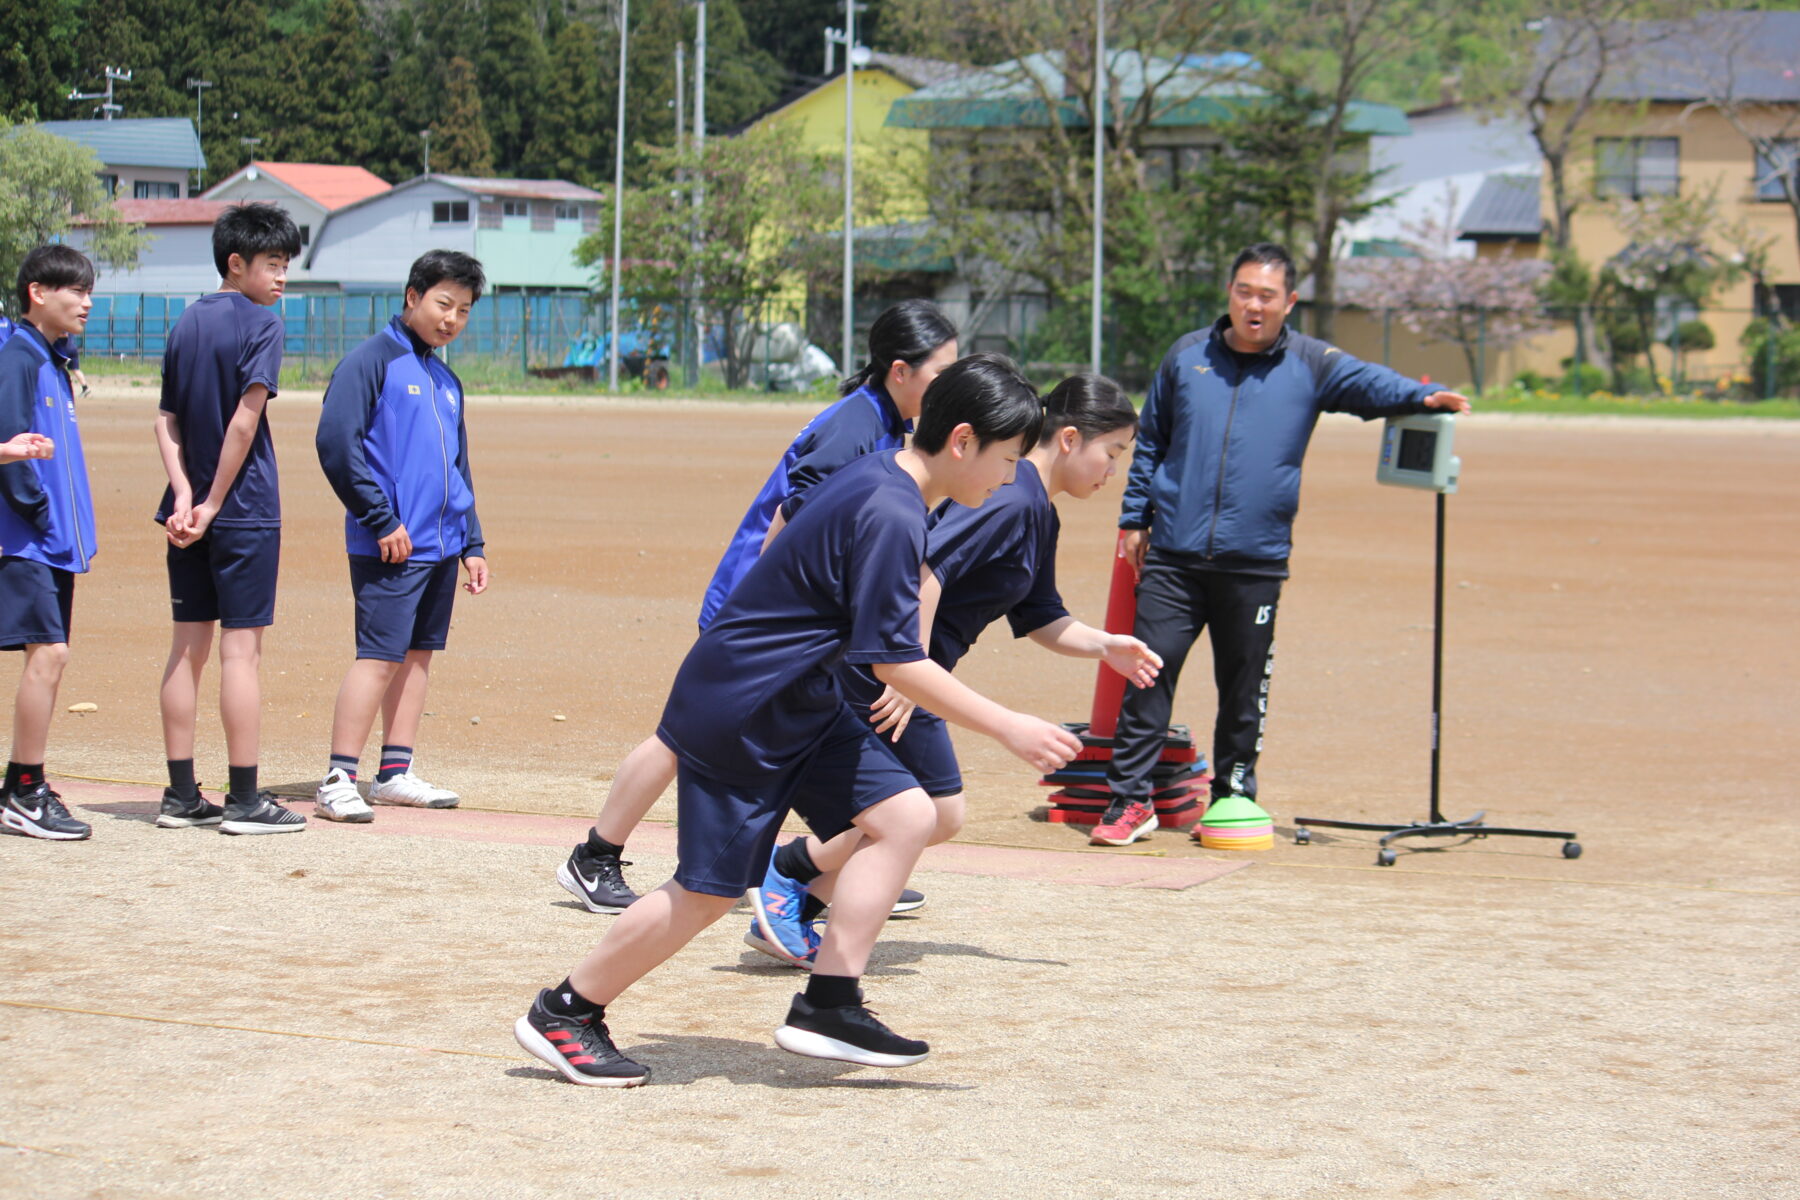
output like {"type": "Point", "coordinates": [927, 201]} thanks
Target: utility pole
{"type": "Point", "coordinates": [612, 365]}
{"type": "Point", "coordinates": [425, 135]}
{"type": "Point", "coordinates": [692, 373]}
{"type": "Point", "coordinates": [198, 87]}
{"type": "Point", "coordinates": [1099, 174]}
{"type": "Point", "coordinates": [106, 106]}
{"type": "Point", "coordinates": [849, 340]}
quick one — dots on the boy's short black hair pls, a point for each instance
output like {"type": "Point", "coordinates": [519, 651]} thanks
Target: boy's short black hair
{"type": "Point", "coordinates": [55, 266]}
{"type": "Point", "coordinates": [985, 391]}
{"type": "Point", "coordinates": [436, 266]}
{"type": "Point", "coordinates": [248, 230]}
{"type": "Point", "coordinates": [1264, 254]}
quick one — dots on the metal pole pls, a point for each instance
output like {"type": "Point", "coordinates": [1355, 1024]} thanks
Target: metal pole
{"type": "Point", "coordinates": [612, 366]}
{"type": "Point", "coordinates": [1437, 664]}
{"type": "Point", "coordinates": [199, 86]}
{"type": "Point", "coordinates": [1099, 175]}
{"type": "Point", "coordinates": [699, 188]}
{"type": "Point", "coordinates": [849, 338]}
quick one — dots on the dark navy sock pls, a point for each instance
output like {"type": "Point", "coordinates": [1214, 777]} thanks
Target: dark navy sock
{"type": "Point", "coordinates": [395, 760]}
{"type": "Point", "coordinates": [564, 1001]}
{"type": "Point", "coordinates": [599, 846]}
{"type": "Point", "coordinates": [793, 861]}
{"type": "Point", "coordinates": [243, 783]}
{"type": "Point", "coordinates": [181, 778]}
{"type": "Point", "coordinates": [832, 991]}
{"type": "Point", "coordinates": [23, 776]}
{"type": "Point", "coordinates": [345, 763]}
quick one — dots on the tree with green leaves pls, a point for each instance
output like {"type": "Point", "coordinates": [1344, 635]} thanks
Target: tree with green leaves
{"type": "Point", "coordinates": [38, 59]}
{"type": "Point", "coordinates": [516, 85]}
{"type": "Point", "coordinates": [460, 143]}
{"type": "Point", "coordinates": [48, 186]}
{"type": "Point", "coordinates": [330, 110]}
{"type": "Point", "coordinates": [573, 138]}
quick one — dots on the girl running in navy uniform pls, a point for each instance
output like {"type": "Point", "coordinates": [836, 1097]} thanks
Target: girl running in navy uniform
{"type": "Point", "coordinates": [908, 345]}
{"type": "Point", "coordinates": [998, 560]}
{"type": "Point", "coordinates": [841, 585]}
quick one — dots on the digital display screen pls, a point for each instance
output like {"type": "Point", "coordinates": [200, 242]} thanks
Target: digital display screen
{"type": "Point", "coordinates": [1418, 450]}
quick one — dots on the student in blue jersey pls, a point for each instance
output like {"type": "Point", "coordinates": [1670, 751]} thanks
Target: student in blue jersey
{"type": "Point", "coordinates": [46, 526]}
{"type": "Point", "coordinates": [841, 584]}
{"type": "Point", "coordinates": [998, 560]}
{"type": "Point", "coordinates": [222, 514]}
{"type": "Point", "coordinates": [395, 447]}
{"type": "Point", "coordinates": [908, 345]}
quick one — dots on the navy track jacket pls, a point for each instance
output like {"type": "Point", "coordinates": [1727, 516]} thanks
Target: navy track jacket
{"type": "Point", "coordinates": [396, 451]}
{"type": "Point", "coordinates": [1216, 471]}
{"type": "Point", "coordinates": [48, 513]}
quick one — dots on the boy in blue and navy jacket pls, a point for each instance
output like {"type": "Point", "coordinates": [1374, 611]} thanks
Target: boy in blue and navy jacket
{"type": "Point", "coordinates": [46, 525]}
{"type": "Point", "coordinates": [395, 448]}
{"type": "Point", "coordinates": [222, 513]}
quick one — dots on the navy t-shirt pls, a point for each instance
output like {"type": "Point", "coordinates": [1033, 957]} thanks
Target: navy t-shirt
{"type": "Point", "coordinates": [222, 345]}
{"type": "Point", "coordinates": [993, 561]}
{"type": "Point", "coordinates": [840, 585]}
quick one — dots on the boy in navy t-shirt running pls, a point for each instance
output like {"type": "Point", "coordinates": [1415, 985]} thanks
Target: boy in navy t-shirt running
{"type": "Point", "coordinates": [395, 448]}
{"type": "Point", "coordinates": [222, 513]}
{"type": "Point", "coordinates": [758, 723]}
{"type": "Point", "coordinates": [46, 525]}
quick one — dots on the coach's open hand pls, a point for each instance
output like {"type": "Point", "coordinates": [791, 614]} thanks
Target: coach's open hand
{"type": "Point", "coordinates": [1454, 402]}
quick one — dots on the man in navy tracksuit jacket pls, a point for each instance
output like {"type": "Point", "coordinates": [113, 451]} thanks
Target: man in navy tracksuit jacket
{"type": "Point", "coordinates": [1209, 513]}
{"type": "Point", "coordinates": [395, 448]}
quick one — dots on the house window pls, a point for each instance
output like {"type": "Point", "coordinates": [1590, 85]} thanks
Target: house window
{"type": "Point", "coordinates": [1774, 168]}
{"type": "Point", "coordinates": [1637, 167]}
{"type": "Point", "coordinates": [449, 212]}
{"type": "Point", "coordinates": [568, 212]}
{"type": "Point", "coordinates": [110, 182]}
{"type": "Point", "coordinates": [515, 208]}
{"type": "Point", "coordinates": [146, 189]}
{"type": "Point", "coordinates": [306, 235]}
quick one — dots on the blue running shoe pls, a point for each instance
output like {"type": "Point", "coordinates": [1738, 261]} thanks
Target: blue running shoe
{"type": "Point", "coordinates": [756, 941]}
{"type": "Point", "coordinates": [778, 904]}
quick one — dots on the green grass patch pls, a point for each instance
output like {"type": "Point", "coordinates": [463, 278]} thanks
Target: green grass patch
{"type": "Point", "coordinates": [1606, 404]}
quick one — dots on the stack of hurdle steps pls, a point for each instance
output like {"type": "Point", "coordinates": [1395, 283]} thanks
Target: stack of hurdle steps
{"type": "Point", "coordinates": [1178, 781]}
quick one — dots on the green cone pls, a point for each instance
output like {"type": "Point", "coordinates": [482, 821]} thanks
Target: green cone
{"type": "Point", "coordinates": [1232, 812]}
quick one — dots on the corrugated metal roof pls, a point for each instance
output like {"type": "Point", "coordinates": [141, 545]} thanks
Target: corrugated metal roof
{"type": "Point", "coordinates": [136, 141]}
{"type": "Point", "coordinates": [1506, 207]}
{"type": "Point", "coordinates": [531, 189]}
{"type": "Point", "coordinates": [1750, 56]}
{"type": "Point", "coordinates": [1011, 95]}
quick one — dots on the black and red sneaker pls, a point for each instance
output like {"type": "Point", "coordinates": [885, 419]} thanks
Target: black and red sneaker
{"type": "Point", "coordinates": [579, 1047]}
{"type": "Point", "coordinates": [38, 812]}
{"type": "Point", "coordinates": [1124, 824]}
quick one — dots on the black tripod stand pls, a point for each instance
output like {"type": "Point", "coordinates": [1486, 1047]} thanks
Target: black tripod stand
{"type": "Point", "coordinates": [1434, 825]}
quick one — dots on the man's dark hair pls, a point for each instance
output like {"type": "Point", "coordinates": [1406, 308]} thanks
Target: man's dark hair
{"type": "Point", "coordinates": [55, 266]}
{"type": "Point", "coordinates": [1264, 254]}
{"type": "Point", "coordinates": [248, 230]}
{"type": "Point", "coordinates": [436, 266]}
{"type": "Point", "coordinates": [1093, 404]}
{"type": "Point", "coordinates": [985, 391]}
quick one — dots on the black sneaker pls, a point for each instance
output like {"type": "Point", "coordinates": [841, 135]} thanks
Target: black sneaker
{"type": "Point", "coordinates": [38, 812]}
{"type": "Point", "coordinates": [908, 901]}
{"type": "Point", "coordinates": [596, 880]}
{"type": "Point", "coordinates": [849, 1034]}
{"type": "Point", "coordinates": [262, 815]}
{"type": "Point", "coordinates": [578, 1047]}
{"type": "Point", "coordinates": [180, 813]}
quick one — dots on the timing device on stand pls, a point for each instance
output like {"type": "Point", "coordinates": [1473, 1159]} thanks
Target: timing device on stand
{"type": "Point", "coordinates": [1419, 452]}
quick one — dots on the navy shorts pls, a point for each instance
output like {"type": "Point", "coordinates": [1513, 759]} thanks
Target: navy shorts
{"type": "Point", "coordinates": [924, 749]}
{"type": "Point", "coordinates": [227, 576]}
{"type": "Point", "coordinates": [725, 832]}
{"type": "Point", "coordinates": [36, 603]}
{"type": "Point", "coordinates": [401, 606]}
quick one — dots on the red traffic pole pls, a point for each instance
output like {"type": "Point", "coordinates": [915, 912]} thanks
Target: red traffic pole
{"type": "Point", "coordinates": [1121, 614]}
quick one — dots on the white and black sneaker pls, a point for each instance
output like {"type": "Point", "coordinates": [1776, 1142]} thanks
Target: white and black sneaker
{"type": "Point", "coordinates": [850, 1033]}
{"type": "Point", "coordinates": [264, 814]}
{"type": "Point", "coordinates": [596, 880]}
{"type": "Point", "coordinates": [578, 1047]}
{"type": "Point", "coordinates": [179, 812]}
{"type": "Point", "coordinates": [38, 812]}
{"type": "Point", "coordinates": [909, 901]}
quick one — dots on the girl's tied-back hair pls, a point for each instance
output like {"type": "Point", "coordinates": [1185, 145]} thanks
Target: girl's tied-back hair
{"type": "Point", "coordinates": [1093, 404]}
{"type": "Point", "coordinates": [909, 332]}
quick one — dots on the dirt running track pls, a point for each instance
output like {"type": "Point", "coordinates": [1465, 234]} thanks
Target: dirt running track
{"type": "Point", "coordinates": [1486, 1019]}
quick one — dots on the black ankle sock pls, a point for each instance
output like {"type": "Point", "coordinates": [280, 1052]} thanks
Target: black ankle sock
{"type": "Point", "coordinates": [564, 1001]}
{"type": "Point", "coordinates": [793, 861]}
{"type": "Point", "coordinates": [601, 846]}
{"type": "Point", "coordinates": [181, 777]}
{"type": "Point", "coordinates": [23, 776]}
{"type": "Point", "coordinates": [243, 783]}
{"type": "Point", "coordinates": [832, 991]}
{"type": "Point", "coordinates": [811, 908]}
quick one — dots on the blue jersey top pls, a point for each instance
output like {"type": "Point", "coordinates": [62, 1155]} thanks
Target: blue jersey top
{"type": "Point", "coordinates": [858, 424]}
{"type": "Point", "coordinates": [224, 344]}
{"type": "Point", "coordinates": [48, 513]}
{"type": "Point", "coordinates": [994, 561]}
{"type": "Point", "coordinates": [758, 690]}
{"type": "Point", "coordinates": [396, 450]}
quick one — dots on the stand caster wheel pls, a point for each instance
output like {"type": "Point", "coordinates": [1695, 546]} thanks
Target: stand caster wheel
{"type": "Point", "coordinates": [1302, 836]}
{"type": "Point", "coordinates": [1571, 849]}
{"type": "Point", "coordinates": [1385, 858]}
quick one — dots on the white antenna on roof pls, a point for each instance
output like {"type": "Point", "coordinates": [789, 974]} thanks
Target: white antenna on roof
{"type": "Point", "coordinates": [106, 108]}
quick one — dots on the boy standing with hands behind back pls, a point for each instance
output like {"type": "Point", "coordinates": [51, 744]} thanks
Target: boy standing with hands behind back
{"type": "Point", "coordinates": [222, 511]}
{"type": "Point", "coordinates": [395, 448]}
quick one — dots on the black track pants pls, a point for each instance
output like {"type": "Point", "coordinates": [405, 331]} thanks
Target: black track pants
{"type": "Point", "coordinates": [1174, 603]}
